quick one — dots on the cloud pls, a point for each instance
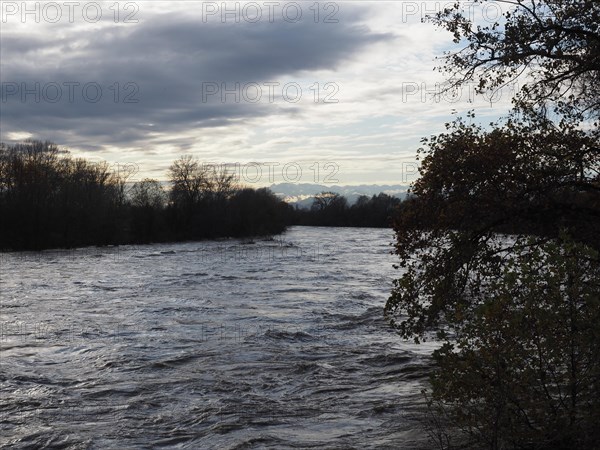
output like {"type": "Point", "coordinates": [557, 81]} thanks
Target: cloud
{"type": "Point", "coordinates": [156, 72]}
{"type": "Point", "coordinates": [363, 63]}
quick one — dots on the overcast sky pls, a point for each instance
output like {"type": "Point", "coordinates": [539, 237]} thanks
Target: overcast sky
{"type": "Point", "coordinates": [142, 82]}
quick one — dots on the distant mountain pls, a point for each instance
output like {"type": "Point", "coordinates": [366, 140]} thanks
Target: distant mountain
{"type": "Point", "coordinates": [302, 194]}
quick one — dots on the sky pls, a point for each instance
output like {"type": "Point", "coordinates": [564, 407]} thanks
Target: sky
{"type": "Point", "coordinates": [323, 92]}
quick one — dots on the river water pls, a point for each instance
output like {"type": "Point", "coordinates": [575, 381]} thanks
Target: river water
{"type": "Point", "coordinates": [222, 344]}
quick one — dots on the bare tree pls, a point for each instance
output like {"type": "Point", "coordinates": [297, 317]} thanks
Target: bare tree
{"type": "Point", "coordinates": [327, 200]}
{"type": "Point", "coordinates": [147, 193]}
{"type": "Point", "coordinates": [189, 179]}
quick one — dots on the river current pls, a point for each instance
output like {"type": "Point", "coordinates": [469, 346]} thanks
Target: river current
{"type": "Point", "coordinates": [230, 344]}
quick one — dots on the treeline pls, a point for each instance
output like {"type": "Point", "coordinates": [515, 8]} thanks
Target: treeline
{"type": "Point", "coordinates": [332, 209]}
{"type": "Point", "coordinates": [49, 199]}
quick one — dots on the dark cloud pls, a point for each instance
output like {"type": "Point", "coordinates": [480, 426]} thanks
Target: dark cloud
{"type": "Point", "coordinates": [167, 58]}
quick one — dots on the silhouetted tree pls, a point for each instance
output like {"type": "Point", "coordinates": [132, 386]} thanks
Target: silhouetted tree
{"type": "Point", "coordinates": [331, 209]}
{"type": "Point", "coordinates": [49, 199]}
{"type": "Point", "coordinates": [148, 201]}
{"type": "Point", "coordinates": [555, 41]}
{"type": "Point", "coordinates": [257, 212]}
{"type": "Point", "coordinates": [518, 315]}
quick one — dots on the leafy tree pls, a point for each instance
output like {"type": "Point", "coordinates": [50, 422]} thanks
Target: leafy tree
{"type": "Point", "coordinates": [257, 212]}
{"type": "Point", "coordinates": [524, 370]}
{"type": "Point", "coordinates": [518, 315]}
{"type": "Point", "coordinates": [476, 183]}
{"type": "Point", "coordinates": [331, 209]}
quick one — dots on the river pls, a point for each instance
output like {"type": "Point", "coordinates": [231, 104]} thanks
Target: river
{"type": "Point", "coordinates": [219, 344]}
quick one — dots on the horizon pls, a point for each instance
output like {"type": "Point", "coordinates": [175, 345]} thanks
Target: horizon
{"type": "Point", "coordinates": [338, 224]}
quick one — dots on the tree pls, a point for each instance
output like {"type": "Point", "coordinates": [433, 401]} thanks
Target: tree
{"type": "Point", "coordinates": [331, 209]}
{"type": "Point", "coordinates": [555, 43]}
{"type": "Point", "coordinates": [476, 183]}
{"type": "Point", "coordinates": [518, 315]}
{"type": "Point", "coordinates": [470, 284]}
{"type": "Point", "coordinates": [147, 193]}
{"type": "Point", "coordinates": [148, 200]}
{"type": "Point", "coordinates": [524, 370]}
{"type": "Point", "coordinates": [222, 182]}
{"type": "Point", "coordinates": [49, 199]}
{"type": "Point", "coordinates": [189, 181]}
{"type": "Point", "coordinates": [326, 200]}
{"type": "Point", "coordinates": [257, 212]}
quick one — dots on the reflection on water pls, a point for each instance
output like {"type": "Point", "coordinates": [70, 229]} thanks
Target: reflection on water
{"type": "Point", "coordinates": [223, 344]}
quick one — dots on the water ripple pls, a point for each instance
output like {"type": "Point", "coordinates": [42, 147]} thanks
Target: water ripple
{"type": "Point", "coordinates": [224, 344]}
